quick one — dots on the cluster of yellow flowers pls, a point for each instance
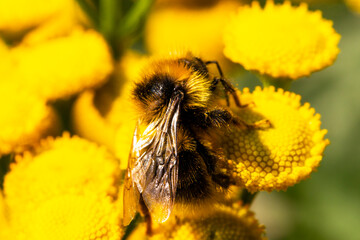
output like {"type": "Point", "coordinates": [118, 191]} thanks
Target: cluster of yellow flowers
{"type": "Point", "coordinates": [69, 186]}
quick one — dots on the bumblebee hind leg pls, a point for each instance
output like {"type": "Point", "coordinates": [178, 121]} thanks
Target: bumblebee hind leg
{"type": "Point", "coordinates": [211, 160]}
{"type": "Point", "coordinates": [145, 212]}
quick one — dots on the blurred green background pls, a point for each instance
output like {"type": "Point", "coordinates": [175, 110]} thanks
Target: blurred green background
{"type": "Point", "coordinates": [327, 205]}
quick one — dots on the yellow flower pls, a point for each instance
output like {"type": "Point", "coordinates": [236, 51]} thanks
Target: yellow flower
{"type": "Point", "coordinates": [58, 167]}
{"type": "Point", "coordinates": [222, 222]}
{"type": "Point", "coordinates": [354, 5]}
{"type": "Point", "coordinates": [281, 41]}
{"type": "Point", "coordinates": [25, 119]}
{"type": "Point", "coordinates": [4, 221]}
{"type": "Point", "coordinates": [276, 157]}
{"type": "Point", "coordinates": [68, 18]}
{"type": "Point", "coordinates": [71, 217]}
{"type": "Point", "coordinates": [198, 30]}
{"type": "Point", "coordinates": [89, 123]}
{"type": "Point", "coordinates": [63, 66]}
{"type": "Point", "coordinates": [111, 122]}
{"type": "Point", "coordinates": [19, 15]}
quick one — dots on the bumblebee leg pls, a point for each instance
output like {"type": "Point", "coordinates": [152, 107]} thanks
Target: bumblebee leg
{"type": "Point", "coordinates": [145, 211]}
{"type": "Point", "coordinates": [229, 89]}
{"type": "Point", "coordinates": [261, 124]}
{"type": "Point", "coordinates": [210, 160]}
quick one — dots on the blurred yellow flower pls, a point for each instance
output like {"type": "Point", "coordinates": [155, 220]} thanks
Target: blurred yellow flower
{"type": "Point", "coordinates": [25, 119]}
{"type": "Point", "coordinates": [276, 157]}
{"type": "Point", "coordinates": [68, 18]}
{"type": "Point", "coordinates": [112, 127]}
{"type": "Point", "coordinates": [222, 222]}
{"type": "Point", "coordinates": [65, 165]}
{"type": "Point", "coordinates": [281, 41]}
{"type": "Point", "coordinates": [4, 220]}
{"type": "Point", "coordinates": [198, 30]}
{"type": "Point", "coordinates": [354, 5]}
{"type": "Point", "coordinates": [19, 15]}
{"type": "Point", "coordinates": [86, 217]}
{"type": "Point", "coordinates": [63, 66]}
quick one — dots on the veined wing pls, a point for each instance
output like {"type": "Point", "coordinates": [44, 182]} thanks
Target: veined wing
{"type": "Point", "coordinates": [155, 172]}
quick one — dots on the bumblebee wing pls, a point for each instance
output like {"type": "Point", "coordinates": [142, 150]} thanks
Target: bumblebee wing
{"type": "Point", "coordinates": [156, 172]}
{"type": "Point", "coordinates": [131, 193]}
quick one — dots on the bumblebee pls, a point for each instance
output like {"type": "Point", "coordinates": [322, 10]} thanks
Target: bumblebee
{"type": "Point", "coordinates": [169, 162]}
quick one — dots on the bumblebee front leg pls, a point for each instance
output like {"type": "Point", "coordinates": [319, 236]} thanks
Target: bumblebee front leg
{"type": "Point", "coordinates": [228, 87]}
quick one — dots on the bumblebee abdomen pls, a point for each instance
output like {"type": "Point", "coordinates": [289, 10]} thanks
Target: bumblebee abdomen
{"type": "Point", "coordinates": [194, 182]}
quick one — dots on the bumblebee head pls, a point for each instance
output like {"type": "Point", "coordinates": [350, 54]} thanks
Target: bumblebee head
{"type": "Point", "coordinates": [154, 93]}
{"type": "Point", "coordinates": [162, 79]}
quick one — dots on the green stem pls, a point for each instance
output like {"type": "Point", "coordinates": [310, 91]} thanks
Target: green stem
{"type": "Point", "coordinates": [247, 198]}
{"type": "Point", "coordinates": [267, 81]}
{"type": "Point", "coordinates": [108, 17]}
{"type": "Point", "coordinates": [5, 166]}
{"type": "Point", "coordinates": [129, 229]}
{"type": "Point", "coordinates": [134, 17]}
{"type": "Point", "coordinates": [90, 11]}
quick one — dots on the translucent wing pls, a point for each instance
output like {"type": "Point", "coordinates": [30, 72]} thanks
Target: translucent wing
{"type": "Point", "coordinates": [155, 172]}
{"type": "Point", "coordinates": [131, 193]}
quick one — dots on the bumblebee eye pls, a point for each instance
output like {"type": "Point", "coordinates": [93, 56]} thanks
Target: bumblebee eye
{"type": "Point", "coordinates": [156, 89]}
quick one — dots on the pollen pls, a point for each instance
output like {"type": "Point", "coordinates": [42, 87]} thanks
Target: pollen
{"type": "Point", "coordinates": [71, 217]}
{"type": "Point", "coordinates": [26, 119]}
{"type": "Point", "coordinates": [65, 165]}
{"type": "Point", "coordinates": [281, 41]}
{"type": "Point", "coordinates": [280, 155]}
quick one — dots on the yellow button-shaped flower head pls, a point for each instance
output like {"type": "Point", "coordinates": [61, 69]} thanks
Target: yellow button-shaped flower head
{"type": "Point", "coordinates": [198, 30]}
{"type": "Point", "coordinates": [25, 119]}
{"type": "Point", "coordinates": [277, 156]}
{"type": "Point", "coordinates": [281, 41]}
{"type": "Point", "coordinates": [220, 223]}
{"type": "Point", "coordinates": [83, 217]}
{"type": "Point", "coordinates": [63, 66]}
{"type": "Point", "coordinates": [224, 223]}
{"type": "Point", "coordinates": [61, 166]}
